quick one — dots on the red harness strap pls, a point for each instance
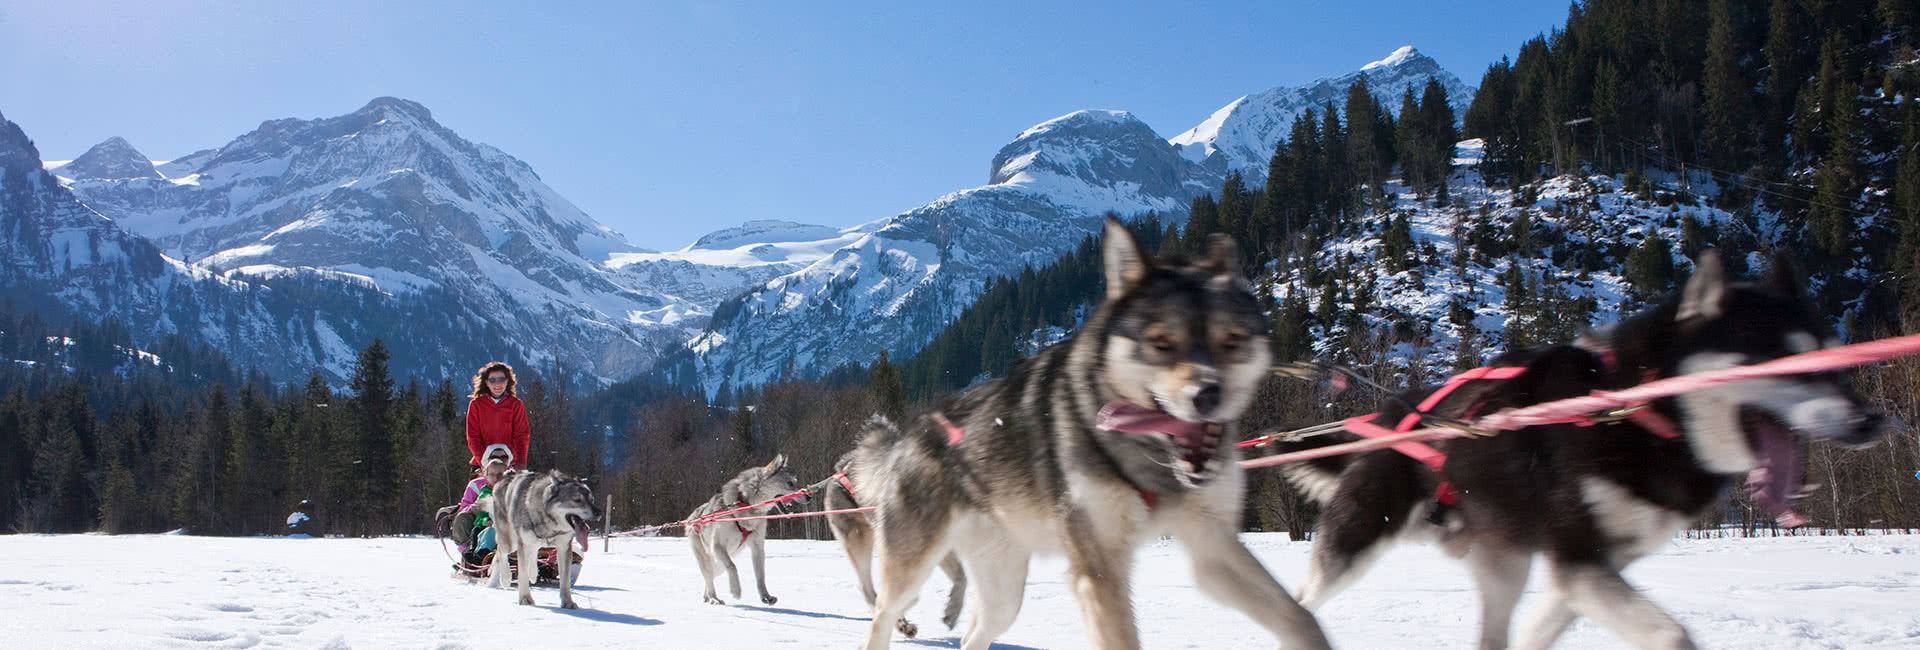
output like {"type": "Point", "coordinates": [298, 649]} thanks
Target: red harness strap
{"type": "Point", "coordinates": [745, 532]}
{"type": "Point", "coordinates": [844, 481]}
{"type": "Point", "coordinates": [955, 433]}
{"type": "Point", "coordinates": [1364, 426]}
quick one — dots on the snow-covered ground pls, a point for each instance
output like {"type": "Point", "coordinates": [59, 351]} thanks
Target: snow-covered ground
{"type": "Point", "coordinates": [180, 591]}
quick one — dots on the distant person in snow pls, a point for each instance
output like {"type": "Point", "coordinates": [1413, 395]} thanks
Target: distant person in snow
{"type": "Point", "coordinates": [495, 416]}
{"type": "Point", "coordinates": [301, 521]}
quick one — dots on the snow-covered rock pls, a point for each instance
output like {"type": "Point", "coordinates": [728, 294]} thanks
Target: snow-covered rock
{"type": "Point", "coordinates": [1241, 135]}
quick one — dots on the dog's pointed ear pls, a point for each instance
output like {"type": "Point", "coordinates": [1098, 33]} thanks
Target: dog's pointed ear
{"type": "Point", "coordinates": [779, 461]}
{"type": "Point", "coordinates": [1125, 262]}
{"type": "Point", "coordinates": [1705, 295]}
{"type": "Point", "coordinates": [1223, 256]}
{"type": "Point", "coordinates": [1784, 277]}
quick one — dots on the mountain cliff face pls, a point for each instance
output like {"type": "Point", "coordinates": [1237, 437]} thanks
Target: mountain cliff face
{"type": "Point", "coordinates": [307, 238]}
{"type": "Point", "coordinates": [896, 286]}
{"type": "Point", "coordinates": [1241, 135]}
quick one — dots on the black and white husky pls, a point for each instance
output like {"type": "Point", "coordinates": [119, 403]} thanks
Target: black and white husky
{"type": "Point", "coordinates": [1592, 499]}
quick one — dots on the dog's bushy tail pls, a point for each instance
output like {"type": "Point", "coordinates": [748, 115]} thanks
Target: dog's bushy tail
{"type": "Point", "coordinates": [1317, 478]}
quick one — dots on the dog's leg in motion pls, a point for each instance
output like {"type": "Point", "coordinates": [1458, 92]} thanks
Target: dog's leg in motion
{"type": "Point", "coordinates": [564, 556]}
{"type": "Point", "coordinates": [1598, 592]}
{"type": "Point", "coordinates": [1100, 574]}
{"type": "Point", "coordinates": [857, 541]}
{"type": "Point", "coordinates": [1000, 579]}
{"type": "Point", "coordinates": [1341, 555]}
{"type": "Point", "coordinates": [499, 577]}
{"type": "Point", "coordinates": [721, 557]}
{"type": "Point", "coordinates": [529, 567]}
{"type": "Point", "coordinates": [706, 568]}
{"type": "Point", "coordinates": [1226, 570]}
{"type": "Point", "coordinates": [902, 558]}
{"type": "Point", "coordinates": [760, 570]}
{"type": "Point", "coordinates": [958, 594]}
{"type": "Point", "coordinates": [1500, 574]}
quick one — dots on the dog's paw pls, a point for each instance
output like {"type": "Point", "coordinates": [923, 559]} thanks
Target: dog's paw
{"type": "Point", "coordinates": [907, 629]}
{"type": "Point", "coordinates": [568, 604]}
{"type": "Point", "coordinates": [768, 599]}
{"type": "Point", "coordinates": [713, 600]}
{"type": "Point", "coordinates": [951, 620]}
{"type": "Point", "coordinates": [526, 600]}
{"type": "Point", "coordinates": [736, 592]}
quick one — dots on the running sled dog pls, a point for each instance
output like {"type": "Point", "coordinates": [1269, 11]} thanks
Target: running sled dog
{"type": "Point", "coordinates": [1089, 448]}
{"type": "Point", "coordinates": [715, 543]}
{"type": "Point", "coordinates": [532, 510]}
{"type": "Point", "coordinates": [855, 532]}
{"type": "Point", "coordinates": [1592, 499]}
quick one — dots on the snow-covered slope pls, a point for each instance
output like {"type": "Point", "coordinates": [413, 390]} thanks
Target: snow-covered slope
{"type": "Point", "coordinates": [386, 197]}
{"type": "Point", "coordinates": [83, 591]}
{"type": "Point", "coordinates": [896, 286]}
{"type": "Point", "coordinates": [901, 279]}
{"type": "Point", "coordinates": [1241, 135]}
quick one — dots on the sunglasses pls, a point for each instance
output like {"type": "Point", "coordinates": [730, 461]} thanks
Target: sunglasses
{"type": "Point", "coordinates": [496, 380]}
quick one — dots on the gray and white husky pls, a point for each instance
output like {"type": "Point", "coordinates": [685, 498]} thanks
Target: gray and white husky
{"type": "Point", "coordinates": [1090, 448]}
{"type": "Point", "coordinates": [532, 510]}
{"type": "Point", "coordinates": [715, 543]}
{"type": "Point", "coordinates": [1592, 499]}
{"type": "Point", "coordinates": [855, 531]}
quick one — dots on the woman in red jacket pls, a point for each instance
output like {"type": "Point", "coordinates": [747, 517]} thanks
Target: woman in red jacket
{"type": "Point", "coordinates": [495, 416]}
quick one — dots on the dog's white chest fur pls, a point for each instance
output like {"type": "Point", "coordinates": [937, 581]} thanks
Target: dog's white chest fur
{"type": "Point", "coordinates": [1635, 524]}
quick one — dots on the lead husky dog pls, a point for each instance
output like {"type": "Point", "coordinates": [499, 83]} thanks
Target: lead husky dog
{"type": "Point", "coordinates": [855, 531]}
{"type": "Point", "coordinates": [532, 510]}
{"type": "Point", "coordinates": [715, 543]}
{"type": "Point", "coordinates": [1090, 448]}
{"type": "Point", "coordinates": [1593, 499]}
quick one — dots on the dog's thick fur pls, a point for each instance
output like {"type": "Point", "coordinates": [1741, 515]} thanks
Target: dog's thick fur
{"type": "Point", "coordinates": [1590, 499]}
{"type": "Point", "coordinates": [714, 544]}
{"type": "Point", "coordinates": [855, 532]}
{"type": "Point", "coordinates": [1035, 473]}
{"type": "Point", "coordinates": [532, 510]}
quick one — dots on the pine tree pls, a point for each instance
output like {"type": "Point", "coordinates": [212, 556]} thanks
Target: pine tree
{"type": "Point", "coordinates": [1907, 218]}
{"type": "Point", "coordinates": [1727, 90]}
{"type": "Point", "coordinates": [1439, 135]}
{"type": "Point", "coordinates": [884, 380]}
{"type": "Point", "coordinates": [1650, 267]}
{"type": "Point", "coordinates": [1337, 172]}
{"type": "Point", "coordinates": [1606, 104]}
{"type": "Point", "coordinates": [1363, 158]}
{"type": "Point", "coordinates": [1415, 153]}
{"type": "Point", "coordinates": [372, 387]}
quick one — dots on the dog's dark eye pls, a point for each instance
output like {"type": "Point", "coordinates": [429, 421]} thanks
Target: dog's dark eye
{"type": "Point", "coordinates": [1232, 341]}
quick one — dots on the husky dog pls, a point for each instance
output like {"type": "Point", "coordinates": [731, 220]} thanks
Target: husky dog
{"type": "Point", "coordinates": [714, 544]}
{"type": "Point", "coordinates": [532, 510]}
{"type": "Point", "coordinates": [1090, 448]}
{"type": "Point", "coordinates": [1592, 499]}
{"type": "Point", "coordinates": [855, 532]}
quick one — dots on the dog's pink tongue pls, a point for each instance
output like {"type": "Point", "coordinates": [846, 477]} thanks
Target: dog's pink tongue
{"type": "Point", "coordinates": [580, 533]}
{"type": "Point", "coordinates": [1773, 483]}
{"type": "Point", "coordinates": [1131, 418]}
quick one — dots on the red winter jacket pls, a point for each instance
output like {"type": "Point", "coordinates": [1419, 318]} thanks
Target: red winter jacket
{"type": "Point", "coordinates": [490, 423]}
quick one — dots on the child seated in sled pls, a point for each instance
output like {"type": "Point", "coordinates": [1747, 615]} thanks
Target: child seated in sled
{"type": "Point", "coordinates": [472, 527]}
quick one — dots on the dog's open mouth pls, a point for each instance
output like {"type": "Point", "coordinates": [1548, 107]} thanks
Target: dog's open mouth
{"type": "Point", "coordinates": [1197, 443]}
{"type": "Point", "coordinates": [1776, 478]}
{"type": "Point", "coordinates": [579, 529]}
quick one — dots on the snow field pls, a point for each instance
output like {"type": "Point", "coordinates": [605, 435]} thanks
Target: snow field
{"type": "Point", "coordinates": [143, 591]}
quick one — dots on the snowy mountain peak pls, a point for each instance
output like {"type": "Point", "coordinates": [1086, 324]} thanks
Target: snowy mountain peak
{"type": "Point", "coordinates": [763, 231]}
{"type": "Point", "coordinates": [113, 159]}
{"type": "Point", "coordinates": [1404, 54]}
{"type": "Point", "coordinates": [395, 105]}
{"type": "Point", "coordinates": [1241, 135]}
{"type": "Point", "coordinates": [1097, 148]}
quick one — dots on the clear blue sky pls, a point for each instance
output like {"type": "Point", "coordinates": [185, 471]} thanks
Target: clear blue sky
{"type": "Point", "coordinates": [668, 121]}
